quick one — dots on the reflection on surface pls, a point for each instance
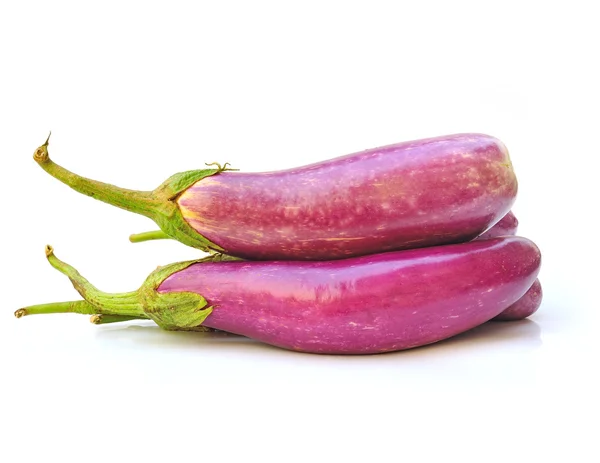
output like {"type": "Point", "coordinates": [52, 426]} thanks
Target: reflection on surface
{"type": "Point", "coordinates": [148, 335]}
{"type": "Point", "coordinates": [496, 356]}
{"type": "Point", "coordinates": [524, 334]}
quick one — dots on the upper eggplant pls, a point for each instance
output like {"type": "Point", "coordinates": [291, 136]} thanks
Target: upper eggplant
{"type": "Point", "coordinates": [420, 193]}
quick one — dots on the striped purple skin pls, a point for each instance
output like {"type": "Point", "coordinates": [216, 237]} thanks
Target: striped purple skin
{"type": "Point", "coordinates": [525, 306]}
{"type": "Point", "coordinates": [413, 194]}
{"type": "Point", "coordinates": [508, 225]}
{"type": "Point", "coordinates": [363, 305]}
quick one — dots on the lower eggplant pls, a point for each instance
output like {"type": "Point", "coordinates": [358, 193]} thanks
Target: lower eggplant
{"type": "Point", "coordinates": [364, 305]}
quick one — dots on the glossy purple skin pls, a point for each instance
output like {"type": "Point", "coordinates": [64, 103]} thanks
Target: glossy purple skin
{"type": "Point", "coordinates": [364, 305]}
{"type": "Point", "coordinates": [508, 225]}
{"type": "Point", "coordinates": [530, 302]}
{"type": "Point", "coordinates": [525, 306]}
{"type": "Point", "coordinates": [408, 195]}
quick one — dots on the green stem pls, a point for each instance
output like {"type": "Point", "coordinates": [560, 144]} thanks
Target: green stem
{"type": "Point", "coordinates": [159, 205]}
{"type": "Point", "coordinates": [82, 307]}
{"type": "Point", "coordinates": [102, 319]}
{"type": "Point", "coordinates": [128, 304]}
{"type": "Point", "coordinates": [148, 236]}
{"type": "Point", "coordinates": [140, 202]}
{"type": "Point", "coordinates": [171, 310]}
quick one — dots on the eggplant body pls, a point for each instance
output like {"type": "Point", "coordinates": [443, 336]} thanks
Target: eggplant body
{"type": "Point", "coordinates": [370, 304]}
{"type": "Point", "coordinates": [525, 306]}
{"type": "Point", "coordinates": [507, 225]}
{"type": "Point", "coordinates": [408, 195]}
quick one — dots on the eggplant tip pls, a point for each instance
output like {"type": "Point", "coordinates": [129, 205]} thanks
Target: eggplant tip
{"type": "Point", "coordinates": [49, 250]}
{"type": "Point", "coordinates": [96, 319]}
{"type": "Point", "coordinates": [19, 313]}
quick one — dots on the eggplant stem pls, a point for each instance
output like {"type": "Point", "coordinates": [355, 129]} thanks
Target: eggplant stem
{"type": "Point", "coordinates": [170, 310]}
{"type": "Point", "coordinates": [140, 202]}
{"type": "Point", "coordinates": [82, 307]}
{"type": "Point", "coordinates": [103, 319]}
{"type": "Point", "coordinates": [159, 205]}
{"type": "Point", "coordinates": [149, 236]}
{"type": "Point", "coordinates": [127, 304]}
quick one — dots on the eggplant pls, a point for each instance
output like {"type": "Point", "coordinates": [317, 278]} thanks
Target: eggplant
{"type": "Point", "coordinates": [407, 195]}
{"type": "Point", "coordinates": [507, 225]}
{"type": "Point", "coordinates": [526, 306]}
{"type": "Point", "coordinates": [532, 299]}
{"type": "Point", "coordinates": [362, 305]}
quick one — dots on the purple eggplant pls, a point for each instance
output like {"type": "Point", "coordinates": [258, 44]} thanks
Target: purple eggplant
{"type": "Point", "coordinates": [532, 299]}
{"type": "Point", "coordinates": [363, 305]}
{"type": "Point", "coordinates": [525, 306]}
{"type": "Point", "coordinates": [507, 225]}
{"type": "Point", "coordinates": [415, 194]}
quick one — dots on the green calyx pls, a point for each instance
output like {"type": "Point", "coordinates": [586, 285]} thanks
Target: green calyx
{"type": "Point", "coordinates": [171, 311]}
{"type": "Point", "coordinates": [159, 205]}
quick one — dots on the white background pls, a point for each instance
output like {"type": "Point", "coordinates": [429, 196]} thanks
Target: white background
{"type": "Point", "coordinates": [136, 91]}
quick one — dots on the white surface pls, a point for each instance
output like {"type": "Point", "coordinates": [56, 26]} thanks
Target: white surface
{"type": "Point", "coordinates": [136, 92]}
